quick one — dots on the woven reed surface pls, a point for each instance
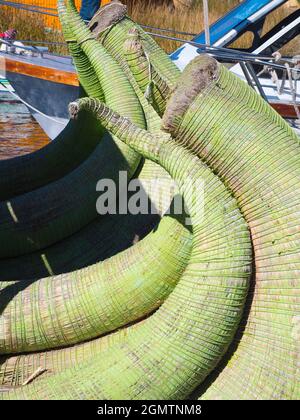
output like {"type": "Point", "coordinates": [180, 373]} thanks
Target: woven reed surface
{"type": "Point", "coordinates": [86, 73]}
{"type": "Point", "coordinates": [37, 219]}
{"type": "Point", "coordinates": [39, 225]}
{"type": "Point", "coordinates": [221, 331]}
{"type": "Point", "coordinates": [95, 242]}
{"type": "Point", "coordinates": [171, 334]}
{"type": "Point", "coordinates": [76, 142]}
{"type": "Point", "coordinates": [114, 38]}
{"type": "Point", "coordinates": [94, 300]}
{"type": "Point", "coordinates": [149, 81]}
{"type": "Point", "coordinates": [256, 155]}
{"type": "Point", "coordinates": [15, 370]}
{"type": "Point", "coordinates": [72, 146]}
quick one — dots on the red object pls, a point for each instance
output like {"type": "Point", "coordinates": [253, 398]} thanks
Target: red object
{"type": "Point", "coordinates": [9, 34]}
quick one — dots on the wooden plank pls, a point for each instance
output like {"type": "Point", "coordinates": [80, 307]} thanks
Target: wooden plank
{"type": "Point", "coordinates": [44, 73]}
{"type": "Point", "coordinates": [285, 110]}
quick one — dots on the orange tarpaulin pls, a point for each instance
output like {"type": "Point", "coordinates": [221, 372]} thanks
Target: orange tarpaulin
{"type": "Point", "coordinates": [51, 21]}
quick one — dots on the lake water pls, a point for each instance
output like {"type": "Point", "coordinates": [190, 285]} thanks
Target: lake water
{"type": "Point", "coordinates": [19, 132]}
